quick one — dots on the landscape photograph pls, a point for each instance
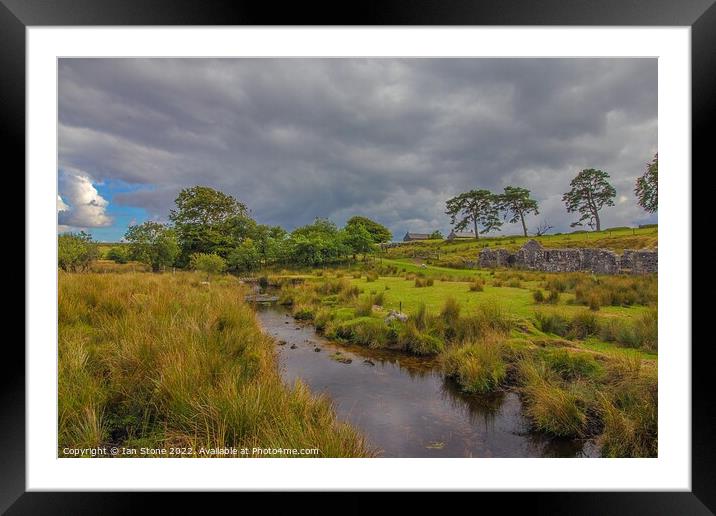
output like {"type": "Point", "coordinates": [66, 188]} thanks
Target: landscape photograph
{"type": "Point", "coordinates": [357, 258]}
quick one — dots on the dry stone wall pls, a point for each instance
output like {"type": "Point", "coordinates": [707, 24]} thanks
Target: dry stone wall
{"type": "Point", "coordinates": [533, 256]}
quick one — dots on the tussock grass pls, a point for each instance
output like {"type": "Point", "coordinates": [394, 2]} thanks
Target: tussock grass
{"type": "Point", "coordinates": [422, 282]}
{"type": "Point", "coordinates": [477, 366]}
{"type": "Point", "coordinates": [551, 407]}
{"type": "Point", "coordinates": [478, 285]}
{"type": "Point", "coordinates": [162, 360]}
{"type": "Point", "coordinates": [616, 290]}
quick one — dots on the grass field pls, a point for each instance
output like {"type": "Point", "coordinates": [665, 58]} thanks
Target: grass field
{"type": "Point", "coordinates": [456, 253]}
{"type": "Point", "coordinates": [165, 361]}
{"type": "Point", "coordinates": [584, 358]}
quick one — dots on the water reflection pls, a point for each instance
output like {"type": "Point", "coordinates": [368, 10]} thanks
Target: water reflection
{"type": "Point", "coordinates": [402, 403]}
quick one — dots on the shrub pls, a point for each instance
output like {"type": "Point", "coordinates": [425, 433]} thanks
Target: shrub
{"type": "Point", "coordinates": [514, 283]}
{"type": "Point", "coordinates": [538, 296]}
{"type": "Point", "coordinates": [76, 251]}
{"type": "Point", "coordinates": [208, 263]}
{"type": "Point", "coordinates": [118, 254]}
{"type": "Point", "coordinates": [371, 276]}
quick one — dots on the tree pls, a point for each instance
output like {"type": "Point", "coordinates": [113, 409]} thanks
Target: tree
{"type": "Point", "coordinates": [76, 251]}
{"type": "Point", "coordinates": [436, 235]}
{"type": "Point", "coordinates": [204, 219]}
{"type": "Point", "coordinates": [245, 257]}
{"type": "Point", "coordinates": [590, 193]}
{"type": "Point", "coordinates": [543, 228]}
{"type": "Point", "coordinates": [379, 233]}
{"type": "Point", "coordinates": [646, 188]}
{"type": "Point", "coordinates": [359, 239]}
{"type": "Point", "coordinates": [153, 243]}
{"type": "Point", "coordinates": [208, 263]}
{"type": "Point", "coordinates": [317, 243]}
{"type": "Point", "coordinates": [269, 242]}
{"type": "Point", "coordinates": [118, 254]}
{"type": "Point", "coordinates": [477, 207]}
{"type": "Point", "coordinates": [517, 203]}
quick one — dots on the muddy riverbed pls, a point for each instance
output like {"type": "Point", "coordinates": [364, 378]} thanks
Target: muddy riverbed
{"type": "Point", "coordinates": [402, 404]}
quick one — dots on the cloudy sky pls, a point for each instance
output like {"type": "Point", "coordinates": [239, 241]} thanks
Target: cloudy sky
{"type": "Point", "coordinates": [390, 139]}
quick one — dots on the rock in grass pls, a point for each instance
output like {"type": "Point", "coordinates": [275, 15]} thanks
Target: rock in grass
{"type": "Point", "coordinates": [317, 350]}
{"type": "Point", "coordinates": [395, 315]}
{"type": "Point", "coordinates": [293, 346]}
{"type": "Point", "coordinates": [281, 342]}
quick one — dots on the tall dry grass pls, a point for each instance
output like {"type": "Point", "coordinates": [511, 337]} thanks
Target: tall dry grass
{"type": "Point", "coordinates": [164, 360]}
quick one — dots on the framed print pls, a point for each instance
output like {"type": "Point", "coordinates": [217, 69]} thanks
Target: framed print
{"type": "Point", "coordinates": [419, 253]}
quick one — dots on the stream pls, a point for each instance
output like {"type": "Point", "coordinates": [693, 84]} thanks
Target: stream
{"type": "Point", "coordinates": [402, 403]}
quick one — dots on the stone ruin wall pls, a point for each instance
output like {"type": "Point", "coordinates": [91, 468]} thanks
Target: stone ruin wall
{"type": "Point", "coordinates": [533, 256]}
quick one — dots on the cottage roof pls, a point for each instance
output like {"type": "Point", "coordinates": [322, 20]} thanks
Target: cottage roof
{"type": "Point", "coordinates": [417, 236]}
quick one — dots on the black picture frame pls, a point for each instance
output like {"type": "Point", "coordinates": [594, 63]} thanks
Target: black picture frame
{"type": "Point", "coordinates": [16, 15]}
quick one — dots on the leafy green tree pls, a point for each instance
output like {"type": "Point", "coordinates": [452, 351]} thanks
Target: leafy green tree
{"type": "Point", "coordinates": [590, 193]}
{"type": "Point", "coordinates": [245, 257]}
{"type": "Point", "coordinates": [205, 220]}
{"type": "Point", "coordinates": [647, 187]}
{"type": "Point", "coordinates": [516, 202]}
{"type": "Point", "coordinates": [436, 235]}
{"type": "Point", "coordinates": [317, 243]}
{"type": "Point", "coordinates": [378, 232]}
{"type": "Point", "coordinates": [208, 263]}
{"type": "Point", "coordinates": [118, 254]}
{"type": "Point", "coordinates": [153, 243]}
{"type": "Point", "coordinates": [76, 251]}
{"type": "Point", "coordinates": [479, 208]}
{"type": "Point", "coordinates": [269, 242]}
{"type": "Point", "coordinates": [359, 239]}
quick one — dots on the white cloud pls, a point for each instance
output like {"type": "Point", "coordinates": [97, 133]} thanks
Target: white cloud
{"type": "Point", "coordinates": [79, 204]}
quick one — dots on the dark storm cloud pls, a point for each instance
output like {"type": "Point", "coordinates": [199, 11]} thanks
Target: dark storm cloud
{"type": "Point", "coordinates": [387, 138]}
